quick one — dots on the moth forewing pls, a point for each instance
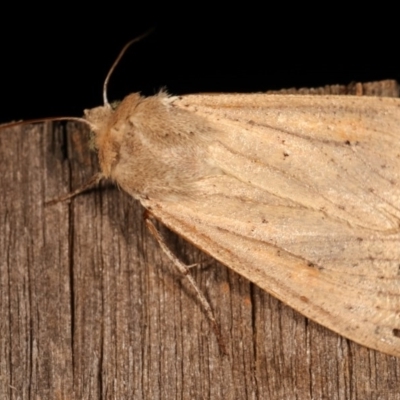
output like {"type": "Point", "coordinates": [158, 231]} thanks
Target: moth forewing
{"type": "Point", "coordinates": [299, 194]}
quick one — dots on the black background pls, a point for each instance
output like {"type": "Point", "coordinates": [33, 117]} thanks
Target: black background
{"type": "Point", "coordinates": [53, 62]}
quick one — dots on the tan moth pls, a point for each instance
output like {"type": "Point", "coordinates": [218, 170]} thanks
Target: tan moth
{"type": "Point", "coordinates": [299, 194]}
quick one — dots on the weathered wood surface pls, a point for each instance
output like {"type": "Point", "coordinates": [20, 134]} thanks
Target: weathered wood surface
{"type": "Point", "coordinates": [89, 307]}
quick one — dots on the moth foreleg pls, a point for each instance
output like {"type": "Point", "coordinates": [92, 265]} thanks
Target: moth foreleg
{"type": "Point", "coordinates": [184, 270]}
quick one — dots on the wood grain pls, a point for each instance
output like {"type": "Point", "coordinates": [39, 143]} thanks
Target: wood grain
{"type": "Point", "coordinates": [91, 309]}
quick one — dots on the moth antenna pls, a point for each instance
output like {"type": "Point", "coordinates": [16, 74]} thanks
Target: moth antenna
{"type": "Point", "coordinates": [92, 182]}
{"type": "Point", "coordinates": [121, 53]}
{"type": "Point", "coordinates": [39, 120]}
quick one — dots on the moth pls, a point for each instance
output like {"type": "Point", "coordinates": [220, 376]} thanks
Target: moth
{"type": "Point", "coordinates": [299, 194]}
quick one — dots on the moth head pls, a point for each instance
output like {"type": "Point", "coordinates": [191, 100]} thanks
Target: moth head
{"type": "Point", "coordinates": [99, 119]}
{"type": "Point", "coordinates": [105, 121]}
{"type": "Point", "coordinates": [109, 124]}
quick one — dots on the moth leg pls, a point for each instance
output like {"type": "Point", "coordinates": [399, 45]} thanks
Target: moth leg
{"type": "Point", "coordinates": [202, 265]}
{"type": "Point", "coordinates": [184, 270]}
{"type": "Point", "coordinates": [92, 182]}
{"type": "Point", "coordinates": [192, 266]}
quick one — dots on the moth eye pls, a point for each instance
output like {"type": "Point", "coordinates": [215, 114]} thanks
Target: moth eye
{"type": "Point", "coordinates": [396, 332]}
